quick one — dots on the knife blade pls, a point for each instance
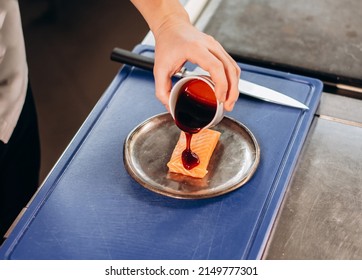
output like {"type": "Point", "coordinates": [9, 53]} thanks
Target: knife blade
{"type": "Point", "coordinates": [245, 87]}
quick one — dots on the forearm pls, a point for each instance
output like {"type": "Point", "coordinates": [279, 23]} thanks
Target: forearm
{"type": "Point", "coordinates": [13, 68]}
{"type": "Point", "coordinates": [178, 41]}
{"type": "Point", "coordinates": [159, 12]}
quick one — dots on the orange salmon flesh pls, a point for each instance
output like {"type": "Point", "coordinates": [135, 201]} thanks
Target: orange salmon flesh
{"type": "Point", "coordinates": [203, 144]}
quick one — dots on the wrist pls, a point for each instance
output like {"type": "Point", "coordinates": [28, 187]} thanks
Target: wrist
{"type": "Point", "coordinates": [168, 22]}
{"type": "Point", "coordinates": [161, 14]}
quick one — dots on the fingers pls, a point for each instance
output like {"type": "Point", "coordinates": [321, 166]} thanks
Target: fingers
{"type": "Point", "coordinates": [163, 86]}
{"type": "Point", "coordinates": [232, 71]}
{"type": "Point", "coordinates": [175, 47]}
{"type": "Point", "coordinates": [163, 73]}
{"type": "Point", "coordinates": [209, 62]}
{"type": "Point", "coordinates": [223, 70]}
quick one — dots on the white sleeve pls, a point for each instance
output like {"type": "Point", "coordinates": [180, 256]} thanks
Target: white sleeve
{"type": "Point", "coordinates": [13, 67]}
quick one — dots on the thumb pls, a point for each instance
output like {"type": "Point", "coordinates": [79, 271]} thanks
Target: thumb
{"type": "Point", "coordinates": [163, 85]}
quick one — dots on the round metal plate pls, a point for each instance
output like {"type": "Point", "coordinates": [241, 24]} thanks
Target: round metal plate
{"type": "Point", "coordinates": [149, 146]}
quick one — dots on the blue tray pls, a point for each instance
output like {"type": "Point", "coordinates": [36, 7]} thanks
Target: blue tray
{"type": "Point", "coordinates": [90, 208]}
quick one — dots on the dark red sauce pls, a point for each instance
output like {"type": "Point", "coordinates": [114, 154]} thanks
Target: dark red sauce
{"type": "Point", "coordinates": [189, 158]}
{"type": "Point", "coordinates": [195, 108]}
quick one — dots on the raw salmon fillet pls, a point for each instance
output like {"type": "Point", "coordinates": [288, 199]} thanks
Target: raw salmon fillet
{"type": "Point", "coordinates": [203, 144]}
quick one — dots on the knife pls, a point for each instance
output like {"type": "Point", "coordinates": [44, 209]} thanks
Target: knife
{"type": "Point", "coordinates": [245, 87]}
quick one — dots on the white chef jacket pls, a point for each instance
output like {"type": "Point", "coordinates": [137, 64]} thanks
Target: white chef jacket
{"type": "Point", "coordinates": [13, 67]}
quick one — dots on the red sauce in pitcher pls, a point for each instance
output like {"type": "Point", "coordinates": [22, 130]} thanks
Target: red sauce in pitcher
{"type": "Point", "coordinates": [195, 108]}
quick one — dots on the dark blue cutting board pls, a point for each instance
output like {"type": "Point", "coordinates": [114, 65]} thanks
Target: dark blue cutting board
{"type": "Point", "coordinates": [90, 208]}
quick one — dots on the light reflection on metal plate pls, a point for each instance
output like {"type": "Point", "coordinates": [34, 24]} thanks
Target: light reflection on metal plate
{"type": "Point", "coordinates": [148, 148]}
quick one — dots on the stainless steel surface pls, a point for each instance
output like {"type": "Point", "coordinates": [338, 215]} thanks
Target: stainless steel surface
{"type": "Point", "coordinates": [323, 36]}
{"type": "Point", "coordinates": [341, 107]}
{"type": "Point", "coordinates": [321, 214]}
{"type": "Point", "coordinates": [149, 146]}
{"type": "Point", "coordinates": [320, 217]}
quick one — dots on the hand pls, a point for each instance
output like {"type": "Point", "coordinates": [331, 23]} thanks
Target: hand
{"type": "Point", "coordinates": [178, 41]}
